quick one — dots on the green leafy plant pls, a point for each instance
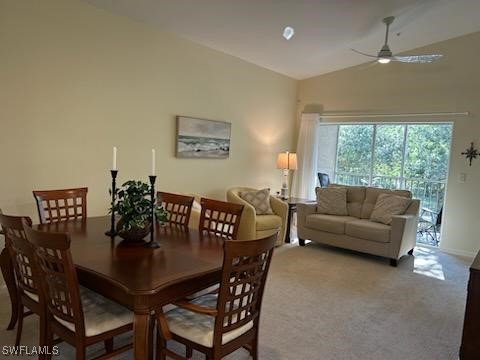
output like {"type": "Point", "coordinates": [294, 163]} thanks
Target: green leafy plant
{"type": "Point", "coordinates": [133, 205]}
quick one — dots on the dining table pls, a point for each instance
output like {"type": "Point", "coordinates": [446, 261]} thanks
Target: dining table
{"type": "Point", "coordinates": [141, 278]}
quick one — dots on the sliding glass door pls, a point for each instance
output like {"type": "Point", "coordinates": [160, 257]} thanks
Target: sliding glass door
{"type": "Point", "coordinates": [396, 156]}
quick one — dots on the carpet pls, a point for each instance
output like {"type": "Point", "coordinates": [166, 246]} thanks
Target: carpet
{"type": "Point", "coordinates": [323, 303]}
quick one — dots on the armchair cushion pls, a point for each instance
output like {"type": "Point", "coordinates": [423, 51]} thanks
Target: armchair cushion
{"type": "Point", "coordinates": [259, 199]}
{"type": "Point", "coordinates": [198, 328]}
{"type": "Point", "coordinates": [268, 222]}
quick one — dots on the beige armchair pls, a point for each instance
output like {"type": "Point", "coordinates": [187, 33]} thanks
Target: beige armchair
{"type": "Point", "coordinates": [253, 226]}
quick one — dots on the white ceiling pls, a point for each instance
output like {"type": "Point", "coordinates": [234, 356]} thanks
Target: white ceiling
{"type": "Point", "coordinates": [325, 30]}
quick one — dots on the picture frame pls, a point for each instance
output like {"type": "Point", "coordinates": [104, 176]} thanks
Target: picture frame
{"type": "Point", "coordinates": [202, 138]}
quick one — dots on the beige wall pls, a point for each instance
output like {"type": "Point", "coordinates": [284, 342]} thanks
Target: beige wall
{"type": "Point", "coordinates": [452, 84]}
{"type": "Point", "coordinates": [75, 80]}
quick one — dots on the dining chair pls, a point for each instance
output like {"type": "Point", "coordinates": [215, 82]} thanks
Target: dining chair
{"type": "Point", "coordinates": [219, 323]}
{"type": "Point", "coordinates": [220, 218]}
{"type": "Point", "coordinates": [26, 274]}
{"type": "Point", "coordinates": [178, 207]}
{"type": "Point", "coordinates": [77, 315]}
{"type": "Point", "coordinates": [61, 205]}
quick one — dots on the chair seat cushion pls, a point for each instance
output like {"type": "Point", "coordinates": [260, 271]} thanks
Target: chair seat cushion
{"type": "Point", "coordinates": [328, 223]}
{"type": "Point", "coordinates": [198, 327]}
{"type": "Point", "coordinates": [368, 230]}
{"type": "Point", "coordinates": [268, 222]}
{"type": "Point", "coordinates": [101, 314]}
{"type": "Point", "coordinates": [32, 296]}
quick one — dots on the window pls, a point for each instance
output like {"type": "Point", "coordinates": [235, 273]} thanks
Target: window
{"type": "Point", "coordinates": [393, 156]}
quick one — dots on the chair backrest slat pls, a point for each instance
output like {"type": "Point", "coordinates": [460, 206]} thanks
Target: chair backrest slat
{"type": "Point", "coordinates": [21, 253]}
{"type": "Point", "coordinates": [178, 207]}
{"type": "Point", "coordinates": [245, 269]}
{"type": "Point", "coordinates": [61, 205]}
{"type": "Point", "coordinates": [58, 277]}
{"type": "Point", "coordinates": [220, 218]}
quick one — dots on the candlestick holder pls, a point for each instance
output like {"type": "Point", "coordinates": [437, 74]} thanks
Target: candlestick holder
{"type": "Point", "coordinates": [152, 243]}
{"type": "Point", "coordinates": [112, 232]}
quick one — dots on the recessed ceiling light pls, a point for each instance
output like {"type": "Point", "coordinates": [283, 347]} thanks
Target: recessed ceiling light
{"type": "Point", "coordinates": [288, 32]}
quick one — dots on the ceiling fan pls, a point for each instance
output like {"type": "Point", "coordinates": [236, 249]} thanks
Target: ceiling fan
{"type": "Point", "coordinates": [385, 55]}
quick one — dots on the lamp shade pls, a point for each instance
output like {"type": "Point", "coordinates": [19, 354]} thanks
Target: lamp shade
{"type": "Point", "coordinates": [287, 161]}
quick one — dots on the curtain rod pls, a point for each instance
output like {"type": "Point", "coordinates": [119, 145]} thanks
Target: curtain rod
{"type": "Point", "coordinates": [344, 116]}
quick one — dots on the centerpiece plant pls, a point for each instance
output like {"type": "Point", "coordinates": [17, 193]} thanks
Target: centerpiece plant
{"type": "Point", "coordinates": [134, 206]}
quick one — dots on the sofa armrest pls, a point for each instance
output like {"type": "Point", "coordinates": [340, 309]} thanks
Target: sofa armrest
{"type": "Point", "coordinates": [247, 228]}
{"type": "Point", "coordinates": [302, 211]}
{"type": "Point", "coordinates": [403, 234]}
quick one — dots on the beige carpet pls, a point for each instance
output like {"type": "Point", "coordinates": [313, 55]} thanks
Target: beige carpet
{"type": "Point", "coordinates": [329, 304]}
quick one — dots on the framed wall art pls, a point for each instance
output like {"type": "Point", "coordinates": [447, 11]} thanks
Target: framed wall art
{"type": "Point", "coordinates": [200, 138]}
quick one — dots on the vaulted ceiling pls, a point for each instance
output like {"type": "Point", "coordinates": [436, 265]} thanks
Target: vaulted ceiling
{"type": "Point", "coordinates": [325, 30]}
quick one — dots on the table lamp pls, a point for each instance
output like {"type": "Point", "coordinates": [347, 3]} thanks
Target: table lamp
{"type": "Point", "coordinates": [286, 161]}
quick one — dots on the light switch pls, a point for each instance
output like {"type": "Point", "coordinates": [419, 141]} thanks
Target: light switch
{"type": "Point", "coordinates": [462, 177]}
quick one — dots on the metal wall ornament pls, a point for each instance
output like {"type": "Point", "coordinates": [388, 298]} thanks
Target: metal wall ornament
{"type": "Point", "coordinates": [471, 153]}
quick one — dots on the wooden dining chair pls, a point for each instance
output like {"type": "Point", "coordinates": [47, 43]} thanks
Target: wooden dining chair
{"type": "Point", "coordinates": [220, 323]}
{"type": "Point", "coordinates": [220, 218]}
{"type": "Point", "coordinates": [178, 207]}
{"type": "Point", "coordinates": [75, 314]}
{"type": "Point", "coordinates": [61, 205]}
{"type": "Point", "coordinates": [26, 274]}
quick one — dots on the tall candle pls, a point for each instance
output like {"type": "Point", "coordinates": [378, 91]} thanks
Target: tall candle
{"type": "Point", "coordinates": [114, 166]}
{"type": "Point", "coordinates": [153, 161]}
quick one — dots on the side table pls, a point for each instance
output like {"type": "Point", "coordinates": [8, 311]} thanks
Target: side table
{"type": "Point", "coordinates": [292, 209]}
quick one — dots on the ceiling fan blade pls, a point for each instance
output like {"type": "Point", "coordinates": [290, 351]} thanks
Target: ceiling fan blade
{"type": "Point", "coordinates": [361, 53]}
{"type": "Point", "coordinates": [419, 59]}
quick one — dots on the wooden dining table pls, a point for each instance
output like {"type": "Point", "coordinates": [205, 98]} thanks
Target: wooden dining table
{"type": "Point", "coordinates": [140, 278]}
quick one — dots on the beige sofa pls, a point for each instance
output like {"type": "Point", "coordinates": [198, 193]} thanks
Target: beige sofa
{"type": "Point", "coordinates": [253, 226]}
{"type": "Point", "coordinates": [356, 231]}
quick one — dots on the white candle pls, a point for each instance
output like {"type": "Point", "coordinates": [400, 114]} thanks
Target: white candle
{"type": "Point", "coordinates": [153, 161]}
{"type": "Point", "coordinates": [114, 166]}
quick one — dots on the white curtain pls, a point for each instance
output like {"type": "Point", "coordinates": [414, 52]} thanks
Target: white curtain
{"type": "Point", "coordinates": [304, 178]}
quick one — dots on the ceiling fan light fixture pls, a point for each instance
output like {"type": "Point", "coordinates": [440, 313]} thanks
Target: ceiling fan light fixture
{"type": "Point", "coordinates": [384, 60]}
{"type": "Point", "coordinates": [288, 32]}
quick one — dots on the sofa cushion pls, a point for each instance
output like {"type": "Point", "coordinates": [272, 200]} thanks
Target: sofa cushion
{"type": "Point", "coordinates": [355, 199]}
{"type": "Point", "coordinates": [332, 200]}
{"type": "Point", "coordinates": [259, 199]}
{"type": "Point", "coordinates": [368, 230]}
{"type": "Point", "coordinates": [268, 222]}
{"type": "Point", "coordinates": [328, 223]}
{"type": "Point", "coordinates": [388, 205]}
{"type": "Point", "coordinates": [371, 195]}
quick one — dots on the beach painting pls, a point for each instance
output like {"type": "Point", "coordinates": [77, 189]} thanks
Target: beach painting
{"type": "Point", "coordinates": [199, 138]}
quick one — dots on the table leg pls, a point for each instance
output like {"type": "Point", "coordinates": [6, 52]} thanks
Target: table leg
{"type": "Point", "coordinates": [289, 221]}
{"type": "Point", "coordinates": [141, 336]}
{"type": "Point", "coordinates": [9, 277]}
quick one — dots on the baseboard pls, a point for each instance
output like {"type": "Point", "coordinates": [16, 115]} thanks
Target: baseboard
{"type": "Point", "coordinates": [463, 253]}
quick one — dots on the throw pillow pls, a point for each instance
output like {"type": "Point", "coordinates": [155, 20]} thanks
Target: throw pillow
{"type": "Point", "coordinates": [388, 205]}
{"type": "Point", "coordinates": [259, 199]}
{"type": "Point", "coordinates": [332, 201]}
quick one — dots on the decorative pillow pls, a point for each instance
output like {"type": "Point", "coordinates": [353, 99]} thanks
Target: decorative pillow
{"type": "Point", "coordinates": [259, 199]}
{"type": "Point", "coordinates": [332, 201]}
{"type": "Point", "coordinates": [388, 205]}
